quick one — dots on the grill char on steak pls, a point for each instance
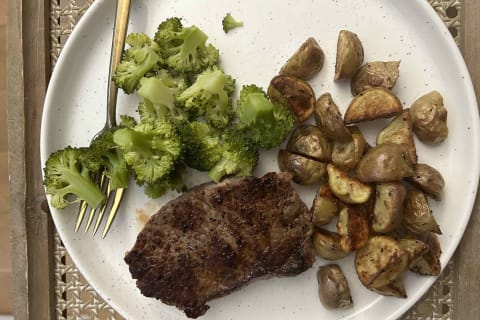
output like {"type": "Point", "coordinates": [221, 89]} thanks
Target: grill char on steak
{"type": "Point", "coordinates": [217, 237]}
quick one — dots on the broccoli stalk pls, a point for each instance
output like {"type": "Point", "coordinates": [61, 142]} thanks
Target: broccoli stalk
{"type": "Point", "coordinates": [65, 175]}
{"type": "Point", "coordinates": [267, 122]}
{"type": "Point", "coordinates": [142, 57]}
{"type": "Point", "coordinates": [210, 97]}
{"type": "Point", "coordinates": [230, 23]}
{"type": "Point", "coordinates": [239, 156]}
{"type": "Point", "coordinates": [151, 148]}
{"type": "Point", "coordinates": [184, 48]}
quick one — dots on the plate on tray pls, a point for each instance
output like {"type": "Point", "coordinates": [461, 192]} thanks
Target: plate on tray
{"type": "Point", "coordinates": [389, 30]}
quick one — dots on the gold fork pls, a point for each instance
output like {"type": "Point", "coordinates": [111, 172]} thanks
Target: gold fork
{"type": "Point", "coordinates": [112, 196]}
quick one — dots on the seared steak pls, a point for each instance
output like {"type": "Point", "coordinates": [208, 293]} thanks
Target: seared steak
{"type": "Point", "coordinates": [217, 237]}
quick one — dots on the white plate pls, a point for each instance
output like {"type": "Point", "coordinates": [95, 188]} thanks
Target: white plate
{"type": "Point", "coordinates": [75, 108]}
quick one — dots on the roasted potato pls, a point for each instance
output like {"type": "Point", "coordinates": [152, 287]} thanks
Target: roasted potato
{"type": "Point", "coordinates": [349, 55]}
{"type": "Point", "coordinates": [371, 104]}
{"type": "Point", "coordinates": [429, 118]}
{"type": "Point", "coordinates": [346, 155]}
{"type": "Point", "coordinates": [346, 188]}
{"type": "Point", "coordinates": [399, 131]}
{"type": "Point", "coordinates": [306, 62]}
{"type": "Point", "coordinates": [305, 170]}
{"type": "Point", "coordinates": [417, 215]}
{"type": "Point", "coordinates": [308, 140]}
{"type": "Point", "coordinates": [375, 74]}
{"type": "Point", "coordinates": [324, 207]}
{"type": "Point", "coordinates": [429, 264]}
{"type": "Point", "coordinates": [294, 93]}
{"type": "Point", "coordinates": [329, 119]}
{"type": "Point", "coordinates": [427, 179]}
{"type": "Point", "coordinates": [414, 248]}
{"type": "Point", "coordinates": [385, 163]}
{"type": "Point", "coordinates": [352, 226]}
{"type": "Point", "coordinates": [393, 289]}
{"type": "Point", "coordinates": [380, 262]}
{"type": "Point", "coordinates": [387, 214]}
{"type": "Point", "coordinates": [327, 244]}
{"type": "Point", "coordinates": [333, 288]}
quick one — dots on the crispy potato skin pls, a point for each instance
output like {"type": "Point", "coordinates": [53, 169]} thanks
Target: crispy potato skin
{"type": "Point", "coordinates": [417, 215]}
{"type": "Point", "coordinates": [333, 288]}
{"type": "Point", "coordinates": [329, 119]}
{"type": "Point", "coordinates": [327, 244]}
{"type": "Point", "coordinates": [414, 248]}
{"type": "Point", "coordinates": [325, 206]}
{"type": "Point", "coordinates": [428, 180]}
{"type": "Point", "coordinates": [305, 170]}
{"type": "Point", "coordinates": [371, 104]}
{"type": "Point", "coordinates": [375, 74]}
{"type": "Point", "coordinates": [393, 289]}
{"type": "Point", "coordinates": [306, 62]}
{"type": "Point", "coordinates": [346, 188]}
{"type": "Point", "coordinates": [294, 93]}
{"type": "Point", "coordinates": [384, 163]}
{"type": "Point", "coordinates": [353, 227]}
{"type": "Point", "coordinates": [429, 118]}
{"type": "Point", "coordinates": [310, 141]}
{"type": "Point", "coordinates": [346, 155]}
{"type": "Point", "coordinates": [349, 55]}
{"type": "Point", "coordinates": [388, 210]}
{"type": "Point", "coordinates": [429, 264]}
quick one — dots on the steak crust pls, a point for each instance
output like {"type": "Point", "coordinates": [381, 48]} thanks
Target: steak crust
{"type": "Point", "coordinates": [216, 237]}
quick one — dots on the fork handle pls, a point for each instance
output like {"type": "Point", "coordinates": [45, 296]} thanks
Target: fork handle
{"type": "Point", "coordinates": [118, 44]}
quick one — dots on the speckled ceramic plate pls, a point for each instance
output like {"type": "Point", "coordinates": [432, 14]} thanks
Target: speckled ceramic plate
{"type": "Point", "coordinates": [389, 30]}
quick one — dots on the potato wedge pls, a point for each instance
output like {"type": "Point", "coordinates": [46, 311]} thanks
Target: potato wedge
{"type": "Point", "coordinates": [428, 180]}
{"type": "Point", "coordinates": [417, 215]}
{"type": "Point", "coordinates": [327, 244]}
{"type": "Point", "coordinates": [380, 262]}
{"type": "Point", "coordinates": [346, 155]}
{"type": "Point", "coordinates": [294, 93]}
{"type": "Point", "coordinates": [305, 170]}
{"type": "Point", "coordinates": [429, 264]}
{"type": "Point", "coordinates": [414, 248]}
{"type": "Point", "coordinates": [346, 188]}
{"type": "Point", "coordinates": [333, 288]}
{"type": "Point", "coordinates": [399, 131]}
{"type": "Point", "coordinates": [429, 118]}
{"type": "Point", "coordinates": [308, 140]}
{"type": "Point", "coordinates": [306, 62]}
{"type": "Point", "coordinates": [385, 163]}
{"type": "Point", "coordinates": [352, 226]}
{"type": "Point", "coordinates": [324, 207]}
{"type": "Point", "coordinates": [349, 55]}
{"type": "Point", "coordinates": [375, 74]}
{"type": "Point", "coordinates": [371, 104]}
{"type": "Point", "coordinates": [387, 214]}
{"type": "Point", "coordinates": [329, 119]}
{"type": "Point", "coordinates": [393, 289]}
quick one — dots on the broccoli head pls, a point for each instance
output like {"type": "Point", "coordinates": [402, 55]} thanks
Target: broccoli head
{"type": "Point", "coordinates": [66, 176]}
{"type": "Point", "coordinates": [239, 156]}
{"type": "Point", "coordinates": [142, 57]}
{"type": "Point", "coordinates": [267, 122]}
{"type": "Point", "coordinates": [159, 98]}
{"type": "Point", "coordinates": [229, 23]}
{"type": "Point", "coordinates": [210, 97]}
{"type": "Point", "coordinates": [127, 121]}
{"type": "Point", "coordinates": [151, 149]}
{"type": "Point", "coordinates": [184, 49]}
{"type": "Point", "coordinates": [202, 145]}
{"type": "Point", "coordinates": [173, 181]}
{"type": "Point", "coordinates": [104, 154]}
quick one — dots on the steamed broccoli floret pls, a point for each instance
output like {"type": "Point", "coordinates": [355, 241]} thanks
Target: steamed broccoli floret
{"type": "Point", "coordinates": [202, 145]}
{"type": "Point", "coordinates": [127, 121]}
{"type": "Point", "coordinates": [65, 175]}
{"type": "Point", "coordinates": [210, 97]}
{"type": "Point", "coordinates": [267, 122]}
{"type": "Point", "coordinates": [142, 57]}
{"type": "Point", "coordinates": [230, 23]}
{"type": "Point", "coordinates": [104, 154]}
{"type": "Point", "coordinates": [151, 148]}
{"type": "Point", "coordinates": [184, 48]}
{"type": "Point", "coordinates": [239, 156]}
{"type": "Point", "coordinates": [159, 96]}
{"type": "Point", "coordinates": [173, 181]}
